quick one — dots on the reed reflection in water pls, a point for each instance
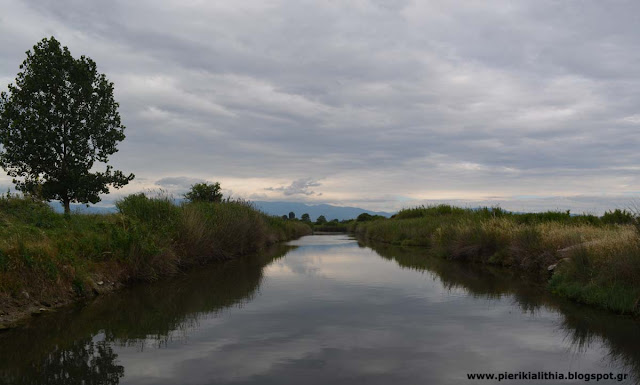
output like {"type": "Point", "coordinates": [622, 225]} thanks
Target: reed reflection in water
{"type": "Point", "coordinates": [324, 310]}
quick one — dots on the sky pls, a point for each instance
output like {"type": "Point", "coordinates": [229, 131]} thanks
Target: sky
{"type": "Point", "coordinates": [380, 104]}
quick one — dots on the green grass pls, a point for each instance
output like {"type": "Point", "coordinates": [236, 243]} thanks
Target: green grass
{"type": "Point", "coordinates": [598, 258]}
{"type": "Point", "coordinates": [332, 227]}
{"type": "Point", "coordinates": [49, 255]}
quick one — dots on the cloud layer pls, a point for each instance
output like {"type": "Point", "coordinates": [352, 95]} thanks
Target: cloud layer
{"type": "Point", "coordinates": [388, 102]}
{"type": "Point", "coordinates": [298, 187]}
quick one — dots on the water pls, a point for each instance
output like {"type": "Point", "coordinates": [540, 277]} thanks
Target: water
{"type": "Point", "coordinates": [323, 311]}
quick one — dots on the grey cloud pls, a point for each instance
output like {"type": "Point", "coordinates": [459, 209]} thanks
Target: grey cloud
{"type": "Point", "coordinates": [297, 187]}
{"type": "Point", "coordinates": [388, 97]}
{"type": "Point", "coordinates": [179, 182]}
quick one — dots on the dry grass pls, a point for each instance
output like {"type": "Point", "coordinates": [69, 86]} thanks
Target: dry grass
{"type": "Point", "coordinates": [46, 257]}
{"type": "Point", "coordinates": [597, 262]}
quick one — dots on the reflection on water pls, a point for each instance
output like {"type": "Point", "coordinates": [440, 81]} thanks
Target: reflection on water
{"type": "Point", "coordinates": [95, 362]}
{"type": "Point", "coordinates": [79, 342]}
{"type": "Point", "coordinates": [582, 326]}
{"type": "Point", "coordinates": [329, 311]}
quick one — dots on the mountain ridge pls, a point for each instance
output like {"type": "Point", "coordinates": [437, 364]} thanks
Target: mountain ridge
{"type": "Point", "coordinates": [278, 208]}
{"type": "Point", "coordinates": [314, 210]}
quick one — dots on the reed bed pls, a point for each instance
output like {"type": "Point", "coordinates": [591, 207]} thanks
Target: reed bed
{"type": "Point", "coordinates": [589, 259]}
{"type": "Point", "coordinates": [46, 257]}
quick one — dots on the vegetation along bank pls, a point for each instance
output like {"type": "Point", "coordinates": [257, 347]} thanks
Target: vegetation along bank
{"type": "Point", "coordinates": [59, 124]}
{"type": "Point", "coordinates": [589, 259]}
{"type": "Point", "coordinates": [49, 259]}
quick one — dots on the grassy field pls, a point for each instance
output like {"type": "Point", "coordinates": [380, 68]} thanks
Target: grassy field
{"type": "Point", "coordinates": [593, 260]}
{"type": "Point", "coordinates": [46, 257]}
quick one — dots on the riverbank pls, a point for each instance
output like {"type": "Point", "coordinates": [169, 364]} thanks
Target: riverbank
{"type": "Point", "coordinates": [588, 259]}
{"type": "Point", "coordinates": [48, 260]}
{"type": "Point", "coordinates": [351, 305]}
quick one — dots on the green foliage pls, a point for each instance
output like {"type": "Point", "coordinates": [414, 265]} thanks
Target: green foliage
{"type": "Point", "coordinates": [28, 210]}
{"type": "Point", "coordinates": [610, 282]}
{"type": "Point", "coordinates": [204, 192]}
{"type": "Point", "coordinates": [321, 220]}
{"type": "Point", "coordinates": [157, 211]}
{"type": "Point", "coordinates": [148, 238]}
{"type": "Point", "coordinates": [594, 263]}
{"type": "Point", "coordinates": [4, 262]}
{"type": "Point", "coordinates": [333, 226]}
{"type": "Point", "coordinates": [425, 211]}
{"type": "Point", "coordinates": [292, 215]}
{"type": "Point", "coordinates": [78, 286]}
{"type": "Point", "coordinates": [618, 217]}
{"type": "Point", "coordinates": [56, 122]}
{"type": "Point", "coordinates": [364, 217]}
{"type": "Point", "coordinates": [285, 229]}
{"type": "Point", "coordinates": [305, 218]}
{"type": "Point", "coordinates": [548, 216]}
{"type": "Point", "coordinates": [617, 297]}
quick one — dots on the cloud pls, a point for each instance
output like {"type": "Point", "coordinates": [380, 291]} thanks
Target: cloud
{"type": "Point", "coordinates": [178, 182]}
{"type": "Point", "coordinates": [297, 187]}
{"type": "Point", "coordinates": [377, 99]}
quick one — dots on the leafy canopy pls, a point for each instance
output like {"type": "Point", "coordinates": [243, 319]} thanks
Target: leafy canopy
{"type": "Point", "coordinates": [56, 122]}
{"type": "Point", "coordinates": [204, 192]}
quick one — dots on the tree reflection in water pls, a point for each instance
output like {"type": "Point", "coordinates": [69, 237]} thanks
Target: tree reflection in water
{"type": "Point", "coordinates": [583, 326]}
{"type": "Point", "coordinates": [93, 362]}
{"type": "Point", "coordinates": [76, 343]}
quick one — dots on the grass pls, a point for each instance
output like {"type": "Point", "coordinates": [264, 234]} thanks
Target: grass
{"type": "Point", "coordinates": [581, 326]}
{"type": "Point", "coordinates": [154, 313]}
{"type": "Point", "coordinates": [597, 259]}
{"type": "Point", "coordinates": [331, 227]}
{"type": "Point", "coordinates": [45, 256]}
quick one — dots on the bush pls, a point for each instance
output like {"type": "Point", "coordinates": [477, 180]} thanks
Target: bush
{"type": "Point", "coordinates": [617, 217]}
{"type": "Point", "coordinates": [29, 210]}
{"type": "Point", "coordinates": [158, 210]}
{"type": "Point", "coordinates": [48, 254]}
{"type": "Point", "coordinates": [592, 263]}
{"type": "Point", "coordinates": [204, 192]}
{"type": "Point", "coordinates": [426, 211]}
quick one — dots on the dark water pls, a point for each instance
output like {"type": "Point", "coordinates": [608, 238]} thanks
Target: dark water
{"type": "Point", "coordinates": [327, 311]}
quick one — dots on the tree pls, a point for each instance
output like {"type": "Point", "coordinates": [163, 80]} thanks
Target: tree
{"type": "Point", "coordinates": [321, 220]}
{"type": "Point", "coordinates": [204, 192]}
{"type": "Point", "coordinates": [56, 122]}
{"type": "Point", "coordinates": [292, 215]}
{"type": "Point", "coordinates": [364, 217]}
{"type": "Point", "coordinates": [285, 217]}
{"type": "Point", "coordinates": [305, 217]}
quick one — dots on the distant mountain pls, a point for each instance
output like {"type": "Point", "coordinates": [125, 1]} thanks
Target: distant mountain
{"type": "Point", "coordinates": [91, 209]}
{"type": "Point", "coordinates": [273, 208]}
{"type": "Point", "coordinates": [330, 212]}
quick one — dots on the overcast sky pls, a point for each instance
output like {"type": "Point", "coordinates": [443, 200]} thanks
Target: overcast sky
{"type": "Point", "coordinates": [380, 104]}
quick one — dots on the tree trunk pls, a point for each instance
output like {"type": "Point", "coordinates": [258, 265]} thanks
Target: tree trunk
{"type": "Point", "coordinates": [67, 209]}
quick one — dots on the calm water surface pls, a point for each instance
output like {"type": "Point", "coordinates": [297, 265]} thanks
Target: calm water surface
{"type": "Point", "coordinates": [323, 311]}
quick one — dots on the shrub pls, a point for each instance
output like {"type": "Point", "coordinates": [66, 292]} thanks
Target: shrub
{"type": "Point", "coordinates": [425, 211]}
{"type": "Point", "coordinates": [204, 192]}
{"type": "Point", "coordinates": [47, 253]}
{"type": "Point", "coordinates": [29, 210]}
{"type": "Point", "coordinates": [618, 217]}
{"type": "Point", "coordinates": [593, 264]}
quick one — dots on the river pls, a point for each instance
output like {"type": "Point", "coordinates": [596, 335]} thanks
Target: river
{"type": "Point", "coordinates": [324, 310]}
